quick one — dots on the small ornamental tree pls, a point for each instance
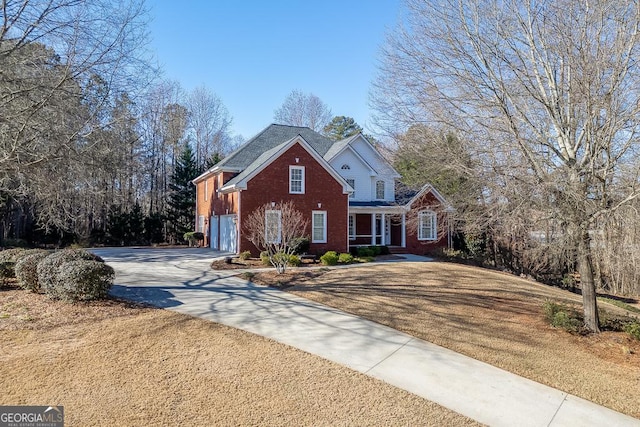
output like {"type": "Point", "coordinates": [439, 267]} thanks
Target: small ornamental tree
{"type": "Point", "coordinates": [275, 229]}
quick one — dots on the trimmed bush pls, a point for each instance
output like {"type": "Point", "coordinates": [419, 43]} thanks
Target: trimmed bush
{"type": "Point", "coordinates": [329, 258]}
{"type": "Point", "coordinates": [84, 280]}
{"type": "Point", "coordinates": [27, 269]}
{"type": "Point", "coordinates": [244, 255]}
{"type": "Point", "coordinates": [366, 251]}
{"type": "Point", "coordinates": [345, 258]}
{"type": "Point", "coordinates": [8, 259]}
{"type": "Point", "coordinates": [48, 268]}
{"type": "Point", "coordinates": [280, 258]}
{"type": "Point", "coordinates": [294, 261]}
{"type": "Point", "coordinates": [264, 257]}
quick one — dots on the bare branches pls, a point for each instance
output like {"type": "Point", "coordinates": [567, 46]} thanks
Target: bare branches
{"type": "Point", "coordinates": [210, 123]}
{"type": "Point", "coordinates": [300, 109]}
{"type": "Point", "coordinates": [275, 229]}
{"type": "Point", "coordinates": [548, 90]}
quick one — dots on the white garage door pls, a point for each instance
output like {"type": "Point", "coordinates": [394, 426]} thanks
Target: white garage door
{"type": "Point", "coordinates": [228, 234]}
{"type": "Point", "coordinates": [213, 232]}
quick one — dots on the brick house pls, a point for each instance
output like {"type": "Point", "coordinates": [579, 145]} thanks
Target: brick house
{"type": "Point", "coordinates": [347, 189]}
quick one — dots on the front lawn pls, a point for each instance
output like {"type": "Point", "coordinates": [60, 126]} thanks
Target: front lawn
{"type": "Point", "coordinates": [490, 316]}
{"type": "Point", "coordinates": [114, 363]}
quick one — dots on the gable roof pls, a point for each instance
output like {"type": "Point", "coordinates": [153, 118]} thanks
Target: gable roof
{"type": "Point", "coordinates": [266, 140]}
{"type": "Point", "coordinates": [347, 143]}
{"type": "Point", "coordinates": [239, 182]}
{"type": "Point", "coordinates": [407, 196]}
{"type": "Point", "coordinates": [271, 137]}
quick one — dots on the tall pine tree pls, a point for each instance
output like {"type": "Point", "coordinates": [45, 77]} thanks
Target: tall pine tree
{"type": "Point", "coordinates": [182, 197]}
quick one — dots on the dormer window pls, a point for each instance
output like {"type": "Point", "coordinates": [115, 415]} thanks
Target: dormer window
{"type": "Point", "coordinates": [345, 167]}
{"type": "Point", "coordinates": [380, 190]}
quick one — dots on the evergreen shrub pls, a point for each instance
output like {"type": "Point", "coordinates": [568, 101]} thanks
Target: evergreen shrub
{"type": "Point", "coordinates": [84, 280]}
{"type": "Point", "coordinates": [48, 277]}
{"type": "Point", "coordinates": [27, 269]}
{"type": "Point", "coordinates": [329, 258]}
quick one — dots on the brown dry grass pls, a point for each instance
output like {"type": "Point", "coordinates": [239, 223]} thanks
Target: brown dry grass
{"type": "Point", "coordinates": [113, 363]}
{"type": "Point", "coordinates": [490, 316]}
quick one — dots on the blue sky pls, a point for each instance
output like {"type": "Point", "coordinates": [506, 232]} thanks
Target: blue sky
{"type": "Point", "coordinates": [252, 54]}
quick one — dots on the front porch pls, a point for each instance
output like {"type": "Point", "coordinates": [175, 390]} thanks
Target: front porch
{"type": "Point", "coordinates": [377, 225]}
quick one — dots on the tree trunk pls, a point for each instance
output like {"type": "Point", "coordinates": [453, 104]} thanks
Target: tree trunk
{"type": "Point", "coordinates": [587, 282]}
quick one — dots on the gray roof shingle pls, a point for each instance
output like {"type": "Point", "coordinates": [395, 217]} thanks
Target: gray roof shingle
{"type": "Point", "coordinates": [271, 137]}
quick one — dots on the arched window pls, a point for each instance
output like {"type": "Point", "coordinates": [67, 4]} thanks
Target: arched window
{"type": "Point", "coordinates": [380, 190]}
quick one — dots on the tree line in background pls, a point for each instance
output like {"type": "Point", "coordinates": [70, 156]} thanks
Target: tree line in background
{"type": "Point", "coordinates": [94, 147]}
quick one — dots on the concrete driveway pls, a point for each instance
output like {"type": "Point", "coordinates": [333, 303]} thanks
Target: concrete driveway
{"type": "Point", "coordinates": [181, 280]}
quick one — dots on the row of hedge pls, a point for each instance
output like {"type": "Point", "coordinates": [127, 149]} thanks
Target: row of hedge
{"type": "Point", "coordinates": [69, 274]}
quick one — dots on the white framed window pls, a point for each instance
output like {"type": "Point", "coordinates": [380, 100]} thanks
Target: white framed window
{"type": "Point", "coordinates": [296, 179]}
{"type": "Point", "coordinates": [352, 183]}
{"type": "Point", "coordinates": [427, 225]}
{"type": "Point", "coordinates": [352, 227]}
{"type": "Point", "coordinates": [273, 226]}
{"type": "Point", "coordinates": [319, 227]}
{"type": "Point", "coordinates": [200, 224]}
{"type": "Point", "coordinates": [380, 190]}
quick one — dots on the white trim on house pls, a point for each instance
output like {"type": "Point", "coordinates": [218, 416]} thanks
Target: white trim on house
{"type": "Point", "coordinates": [321, 227]}
{"type": "Point", "coordinates": [427, 225]}
{"type": "Point", "coordinates": [294, 181]}
{"type": "Point", "coordinates": [351, 226]}
{"type": "Point", "coordinates": [213, 170]}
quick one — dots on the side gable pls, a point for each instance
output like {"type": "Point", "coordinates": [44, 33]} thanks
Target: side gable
{"type": "Point", "coordinates": [239, 182]}
{"type": "Point", "coordinates": [366, 152]}
{"type": "Point", "coordinates": [426, 189]}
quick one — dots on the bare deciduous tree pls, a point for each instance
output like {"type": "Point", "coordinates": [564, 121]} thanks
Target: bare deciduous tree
{"type": "Point", "coordinates": [301, 109]}
{"type": "Point", "coordinates": [63, 65]}
{"type": "Point", "coordinates": [209, 122]}
{"type": "Point", "coordinates": [275, 229]}
{"type": "Point", "coordinates": [549, 90]}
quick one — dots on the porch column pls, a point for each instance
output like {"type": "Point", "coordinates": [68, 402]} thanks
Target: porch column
{"type": "Point", "coordinates": [403, 230]}
{"type": "Point", "coordinates": [383, 230]}
{"type": "Point", "coordinates": [373, 229]}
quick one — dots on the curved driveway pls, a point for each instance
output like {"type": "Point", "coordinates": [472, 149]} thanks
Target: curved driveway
{"type": "Point", "coordinates": [182, 280]}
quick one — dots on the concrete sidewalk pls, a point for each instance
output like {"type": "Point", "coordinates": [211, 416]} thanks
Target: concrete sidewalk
{"type": "Point", "coordinates": [467, 386]}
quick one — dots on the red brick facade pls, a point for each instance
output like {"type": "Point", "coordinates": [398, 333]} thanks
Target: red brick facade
{"type": "Point", "coordinates": [420, 247]}
{"type": "Point", "coordinates": [322, 193]}
{"type": "Point", "coordinates": [232, 190]}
